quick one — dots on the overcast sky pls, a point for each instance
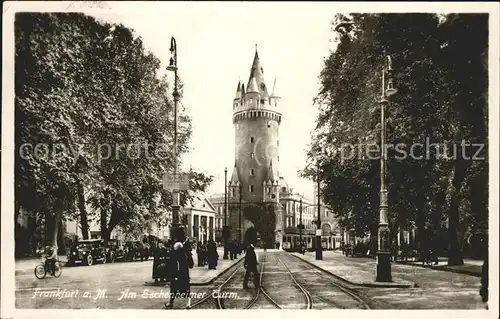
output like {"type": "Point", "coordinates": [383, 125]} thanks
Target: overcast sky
{"type": "Point", "coordinates": [216, 45]}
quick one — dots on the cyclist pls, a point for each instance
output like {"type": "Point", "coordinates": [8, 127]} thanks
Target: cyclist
{"type": "Point", "coordinates": [51, 257]}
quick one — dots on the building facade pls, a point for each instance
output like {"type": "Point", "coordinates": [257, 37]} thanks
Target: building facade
{"type": "Point", "coordinates": [201, 220]}
{"type": "Point", "coordinates": [297, 210]}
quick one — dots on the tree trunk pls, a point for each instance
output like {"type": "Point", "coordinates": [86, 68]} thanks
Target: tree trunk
{"type": "Point", "coordinates": [61, 206]}
{"type": "Point", "coordinates": [104, 222]}
{"type": "Point", "coordinates": [107, 228]}
{"type": "Point", "coordinates": [455, 254]}
{"type": "Point", "coordinates": [83, 211]}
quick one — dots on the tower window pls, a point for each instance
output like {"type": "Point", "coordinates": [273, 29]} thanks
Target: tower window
{"type": "Point", "coordinates": [251, 139]}
{"type": "Point", "coordinates": [251, 188]}
{"type": "Point", "coordinates": [252, 155]}
{"type": "Point", "coordinates": [262, 101]}
{"type": "Point", "coordinates": [278, 142]}
{"type": "Point", "coordinates": [251, 172]}
{"type": "Point", "coordinates": [268, 123]}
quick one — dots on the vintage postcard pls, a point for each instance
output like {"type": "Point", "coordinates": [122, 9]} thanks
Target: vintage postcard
{"type": "Point", "coordinates": [160, 158]}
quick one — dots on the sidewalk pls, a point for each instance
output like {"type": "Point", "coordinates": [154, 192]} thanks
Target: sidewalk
{"type": "Point", "coordinates": [470, 267]}
{"type": "Point", "coordinates": [351, 270]}
{"type": "Point", "coordinates": [362, 271]}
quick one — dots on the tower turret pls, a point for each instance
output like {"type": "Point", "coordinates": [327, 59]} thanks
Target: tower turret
{"type": "Point", "coordinates": [238, 91]}
{"type": "Point", "coordinates": [274, 98]}
{"type": "Point", "coordinates": [252, 86]}
{"type": "Point", "coordinates": [234, 184]}
{"type": "Point", "coordinates": [237, 98]}
{"type": "Point", "coordinates": [270, 185]}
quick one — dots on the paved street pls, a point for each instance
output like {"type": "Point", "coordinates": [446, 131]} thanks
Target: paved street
{"type": "Point", "coordinates": [287, 283]}
{"type": "Point", "coordinates": [435, 289]}
{"type": "Point", "coordinates": [119, 281]}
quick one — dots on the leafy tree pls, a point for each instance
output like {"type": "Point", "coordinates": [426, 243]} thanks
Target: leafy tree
{"type": "Point", "coordinates": [91, 94]}
{"type": "Point", "coordinates": [434, 83]}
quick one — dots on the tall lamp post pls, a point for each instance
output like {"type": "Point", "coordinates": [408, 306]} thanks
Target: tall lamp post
{"type": "Point", "coordinates": [225, 232]}
{"type": "Point", "coordinates": [239, 222]}
{"type": "Point", "coordinates": [319, 248]}
{"type": "Point", "coordinates": [383, 253]}
{"type": "Point", "coordinates": [177, 229]}
{"type": "Point", "coordinates": [301, 226]}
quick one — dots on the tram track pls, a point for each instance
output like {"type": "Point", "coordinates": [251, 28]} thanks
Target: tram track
{"type": "Point", "coordinates": [218, 287]}
{"type": "Point", "coordinates": [325, 278]}
{"type": "Point", "coordinates": [262, 290]}
{"type": "Point", "coordinates": [309, 301]}
{"type": "Point", "coordinates": [314, 289]}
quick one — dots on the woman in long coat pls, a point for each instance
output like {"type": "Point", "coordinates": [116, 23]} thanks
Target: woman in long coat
{"type": "Point", "coordinates": [180, 263]}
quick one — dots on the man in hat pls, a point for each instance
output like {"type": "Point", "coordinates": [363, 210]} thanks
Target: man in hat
{"type": "Point", "coordinates": [251, 261]}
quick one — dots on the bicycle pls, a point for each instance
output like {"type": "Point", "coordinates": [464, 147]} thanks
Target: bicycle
{"type": "Point", "coordinates": [42, 269]}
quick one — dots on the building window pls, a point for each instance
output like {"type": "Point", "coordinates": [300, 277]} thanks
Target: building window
{"type": "Point", "coordinates": [268, 123]}
{"type": "Point", "coordinates": [278, 143]}
{"type": "Point", "coordinates": [251, 188]}
{"type": "Point", "coordinates": [252, 172]}
{"type": "Point", "coordinates": [234, 192]}
{"type": "Point", "coordinates": [251, 139]}
{"type": "Point", "coordinates": [262, 101]}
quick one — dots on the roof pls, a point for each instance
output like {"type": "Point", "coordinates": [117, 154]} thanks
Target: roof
{"type": "Point", "coordinates": [257, 72]}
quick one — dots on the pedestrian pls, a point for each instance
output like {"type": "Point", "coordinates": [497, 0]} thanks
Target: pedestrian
{"type": "Point", "coordinates": [179, 274]}
{"type": "Point", "coordinates": [251, 261]}
{"type": "Point", "coordinates": [212, 255]}
{"type": "Point", "coordinates": [483, 291]}
{"type": "Point", "coordinates": [199, 255]}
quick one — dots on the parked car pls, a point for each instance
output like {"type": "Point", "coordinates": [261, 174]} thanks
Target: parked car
{"type": "Point", "coordinates": [137, 250]}
{"type": "Point", "coordinates": [87, 252]}
{"type": "Point", "coordinates": [114, 251]}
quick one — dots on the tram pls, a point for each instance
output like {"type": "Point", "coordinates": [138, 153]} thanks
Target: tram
{"type": "Point", "coordinates": [291, 241]}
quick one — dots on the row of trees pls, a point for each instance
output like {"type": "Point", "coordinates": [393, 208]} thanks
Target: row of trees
{"type": "Point", "coordinates": [97, 118]}
{"type": "Point", "coordinates": [440, 71]}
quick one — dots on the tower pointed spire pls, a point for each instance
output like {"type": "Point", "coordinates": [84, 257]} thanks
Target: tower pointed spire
{"type": "Point", "coordinates": [257, 72]}
{"type": "Point", "coordinates": [252, 86]}
{"type": "Point", "coordinates": [275, 91]}
{"type": "Point", "coordinates": [235, 181]}
{"type": "Point", "coordinates": [238, 91]}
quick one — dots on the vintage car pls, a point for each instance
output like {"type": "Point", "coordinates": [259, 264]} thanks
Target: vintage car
{"type": "Point", "coordinates": [87, 252]}
{"type": "Point", "coordinates": [114, 251]}
{"type": "Point", "coordinates": [137, 250]}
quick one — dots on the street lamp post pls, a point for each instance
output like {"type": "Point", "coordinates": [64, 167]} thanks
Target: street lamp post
{"type": "Point", "coordinates": [225, 231]}
{"type": "Point", "coordinates": [239, 222]}
{"type": "Point", "coordinates": [383, 253]}
{"type": "Point", "coordinates": [319, 248]}
{"type": "Point", "coordinates": [177, 230]}
{"type": "Point", "coordinates": [300, 227]}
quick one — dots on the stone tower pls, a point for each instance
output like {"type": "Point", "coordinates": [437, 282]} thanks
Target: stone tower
{"type": "Point", "coordinates": [256, 118]}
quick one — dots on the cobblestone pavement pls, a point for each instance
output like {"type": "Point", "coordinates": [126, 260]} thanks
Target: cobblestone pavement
{"type": "Point", "coordinates": [436, 289]}
{"type": "Point", "coordinates": [287, 283]}
{"type": "Point", "coordinates": [109, 286]}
